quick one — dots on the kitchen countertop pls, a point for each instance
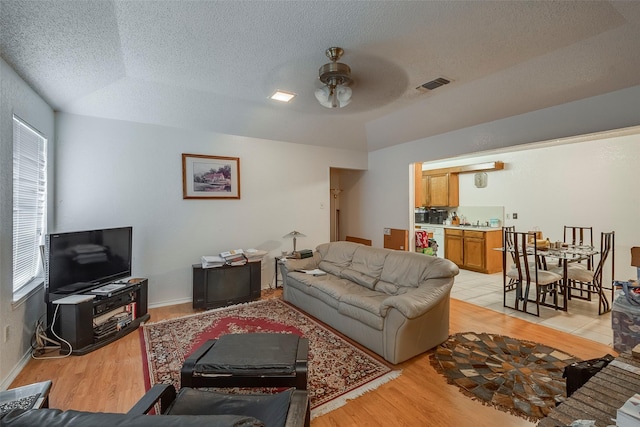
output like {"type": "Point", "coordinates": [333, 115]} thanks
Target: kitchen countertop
{"type": "Point", "coordinates": [459, 227]}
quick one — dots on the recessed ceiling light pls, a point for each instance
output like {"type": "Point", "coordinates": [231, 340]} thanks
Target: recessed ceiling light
{"type": "Point", "coordinates": [283, 96]}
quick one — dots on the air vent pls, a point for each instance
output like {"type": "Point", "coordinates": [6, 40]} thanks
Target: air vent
{"type": "Point", "coordinates": [434, 84]}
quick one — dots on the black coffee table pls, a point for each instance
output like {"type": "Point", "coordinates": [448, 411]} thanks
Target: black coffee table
{"type": "Point", "coordinates": [248, 360]}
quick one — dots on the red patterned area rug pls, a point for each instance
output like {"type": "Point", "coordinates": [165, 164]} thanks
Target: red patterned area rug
{"type": "Point", "coordinates": [520, 377]}
{"type": "Point", "coordinates": [338, 371]}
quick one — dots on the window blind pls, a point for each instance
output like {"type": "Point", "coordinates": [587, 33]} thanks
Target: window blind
{"type": "Point", "coordinates": [29, 201]}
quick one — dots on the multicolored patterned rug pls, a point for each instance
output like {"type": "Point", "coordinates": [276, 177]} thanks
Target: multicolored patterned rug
{"type": "Point", "coordinates": [520, 377]}
{"type": "Point", "coordinates": [338, 371]}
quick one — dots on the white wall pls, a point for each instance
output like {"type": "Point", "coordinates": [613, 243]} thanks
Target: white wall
{"type": "Point", "coordinates": [385, 188]}
{"type": "Point", "coordinates": [21, 100]}
{"type": "Point", "coordinates": [588, 183]}
{"type": "Point", "coordinates": [114, 173]}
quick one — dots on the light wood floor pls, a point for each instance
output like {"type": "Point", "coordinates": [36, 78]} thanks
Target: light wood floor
{"type": "Point", "coordinates": [110, 379]}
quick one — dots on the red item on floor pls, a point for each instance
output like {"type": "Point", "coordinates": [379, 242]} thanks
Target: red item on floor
{"type": "Point", "coordinates": [422, 239]}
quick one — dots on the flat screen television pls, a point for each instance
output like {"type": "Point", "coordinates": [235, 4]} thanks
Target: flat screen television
{"type": "Point", "coordinates": [83, 260]}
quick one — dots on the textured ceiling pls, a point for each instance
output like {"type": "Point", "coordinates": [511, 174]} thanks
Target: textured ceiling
{"type": "Point", "coordinates": [211, 65]}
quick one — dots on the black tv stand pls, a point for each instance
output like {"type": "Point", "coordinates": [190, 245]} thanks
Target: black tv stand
{"type": "Point", "coordinates": [73, 288]}
{"type": "Point", "coordinates": [90, 325]}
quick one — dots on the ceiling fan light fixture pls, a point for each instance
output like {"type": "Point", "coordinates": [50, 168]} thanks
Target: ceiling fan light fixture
{"type": "Point", "coordinates": [336, 78]}
{"type": "Point", "coordinates": [334, 97]}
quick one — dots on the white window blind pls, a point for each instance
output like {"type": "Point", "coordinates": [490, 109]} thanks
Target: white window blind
{"type": "Point", "coordinates": [29, 202]}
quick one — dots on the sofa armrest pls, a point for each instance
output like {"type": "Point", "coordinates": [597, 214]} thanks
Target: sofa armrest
{"type": "Point", "coordinates": [159, 393]}
{"type": "Point", "coordinates": [292, 264]}
{"type": "Point", "coordinates": [418, 301]}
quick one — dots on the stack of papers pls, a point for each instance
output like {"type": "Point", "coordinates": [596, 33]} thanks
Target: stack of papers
{"type": "Point", "coordinates": [254, 255]}
{"type": "Point", "coordinates": [234, 257]}
{"type": "Point", "coordinates": [314, 272]}
{"type": "Point", "coordinates": [210, 261]}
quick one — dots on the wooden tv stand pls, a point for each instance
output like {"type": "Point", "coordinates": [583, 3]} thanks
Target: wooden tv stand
{"type": "Point", "coordinates": [77, 323]}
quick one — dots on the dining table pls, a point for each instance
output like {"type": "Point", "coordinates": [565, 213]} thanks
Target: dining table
{"type": "Point", "coordinates": [563, 256]}
{"type": "Point", "coordinates": [559, 257]}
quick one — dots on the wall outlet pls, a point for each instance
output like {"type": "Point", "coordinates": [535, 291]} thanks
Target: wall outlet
{"type": "Point", "coordinates": [515, 215]}
{"type": "Point", "coordinates": [508, 216]}
{"type": "Point", "coordinates": [7, 330]}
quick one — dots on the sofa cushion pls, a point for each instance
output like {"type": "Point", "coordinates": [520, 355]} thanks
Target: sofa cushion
{"type": "Point", "coordinates": [364, 306]}
{"type": "Point", "coordinates": [58, 418]}
{"type": "Point", "coordinates": [404, 268]}
{"type": "Point", "coordinates": [331, 290]}
{"type": "Point", "coordinates": [366, 266]}
{"type": "Point", "coordinates": [330, 267]}
{"type": "Point", "coordinates": [390, 288]}
{"type": "Point", "coordinates": [366, 300]}
{"type": "Point", "coordinates": [271, 409]}
{"type": "Point", "coordinates": [339, 253]}
{"type": "Point", "coordinates": [359, 278]}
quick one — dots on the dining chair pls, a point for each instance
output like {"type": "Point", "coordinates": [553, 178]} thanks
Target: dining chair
{"type": "Point", "coordinates": [583, 279]}
{"type": "Point", "coordinates": [507, 282]}
{"type": "Point", "coordinates": [579, 236]}
{"type": "Point", "coordinates": [527, 276]}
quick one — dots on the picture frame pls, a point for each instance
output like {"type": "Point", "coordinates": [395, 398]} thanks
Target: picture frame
{"type": "Point", "coordinates": [210, 177]}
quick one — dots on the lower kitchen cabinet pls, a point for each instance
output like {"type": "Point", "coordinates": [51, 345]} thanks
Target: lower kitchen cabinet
{"type": "Point", "coordinates": [473, 249]}
{"type": "Point", "coordinates": [454, 246]}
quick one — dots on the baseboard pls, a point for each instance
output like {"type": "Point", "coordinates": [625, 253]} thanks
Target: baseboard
{"type": "Point", "coordinates": [170, 302]}
{"type": "Point", "coordinates": [6, 382]}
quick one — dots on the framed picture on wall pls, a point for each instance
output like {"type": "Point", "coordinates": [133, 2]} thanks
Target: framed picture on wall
{"type": "Point", "coordinates": [210, 177]}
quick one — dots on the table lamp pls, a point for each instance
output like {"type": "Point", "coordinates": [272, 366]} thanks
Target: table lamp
{"type": "Point", "coordinates": [294, 234]}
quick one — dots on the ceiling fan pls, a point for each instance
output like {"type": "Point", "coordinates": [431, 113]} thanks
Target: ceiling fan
{"type": "Point", "coordinates": [336, 78]}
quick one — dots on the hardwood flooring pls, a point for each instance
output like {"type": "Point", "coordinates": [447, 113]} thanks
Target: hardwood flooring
{"type": "Point", "coordinates": [111, 380]}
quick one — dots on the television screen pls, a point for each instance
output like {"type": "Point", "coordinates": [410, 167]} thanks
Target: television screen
{"type": "Point", "coordinates": [83, 260]}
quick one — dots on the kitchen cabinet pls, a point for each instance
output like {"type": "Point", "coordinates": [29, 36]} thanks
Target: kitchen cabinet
{"type": "Point", "coordinates": [420, 186]}
{"type": "Point", "coordinates": [435, 190]}
{"type": "Point", "coordinates": [453, 246]}
{"type": "Point", "coordinates": [442, 190]}
{"type": "Point", "coordinates": [474, 249]}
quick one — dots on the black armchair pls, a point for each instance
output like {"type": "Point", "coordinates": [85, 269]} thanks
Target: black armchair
{"type": "Point", "coordinates": [188, 407]}
{"type": "Point", "coordinates": [289, 408]}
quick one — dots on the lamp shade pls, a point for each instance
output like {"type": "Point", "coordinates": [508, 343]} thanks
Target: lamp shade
{"type": "Point", "coordinates": [294, 234]}
{"type": "Point", "coordinates": [339, 97]}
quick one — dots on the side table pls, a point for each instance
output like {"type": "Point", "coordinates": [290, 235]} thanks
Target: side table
{"type": "Point", "coordinates": [278, 260]}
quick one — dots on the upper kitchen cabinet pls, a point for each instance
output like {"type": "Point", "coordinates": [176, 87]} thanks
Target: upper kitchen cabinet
{"type": "Point", "coordinates": [442, 190]}
{"type": "Point", "coordinates": [439, 188]}
{"type": "Point", "coordinates": [420, 186]}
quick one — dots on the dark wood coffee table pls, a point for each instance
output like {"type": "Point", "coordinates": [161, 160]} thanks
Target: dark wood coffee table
{"type": "Point", "coordinates": [248, 360]}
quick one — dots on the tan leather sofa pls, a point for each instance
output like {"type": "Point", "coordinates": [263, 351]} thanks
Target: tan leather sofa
{"type": "Point", "coordinates": [392, 302]}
